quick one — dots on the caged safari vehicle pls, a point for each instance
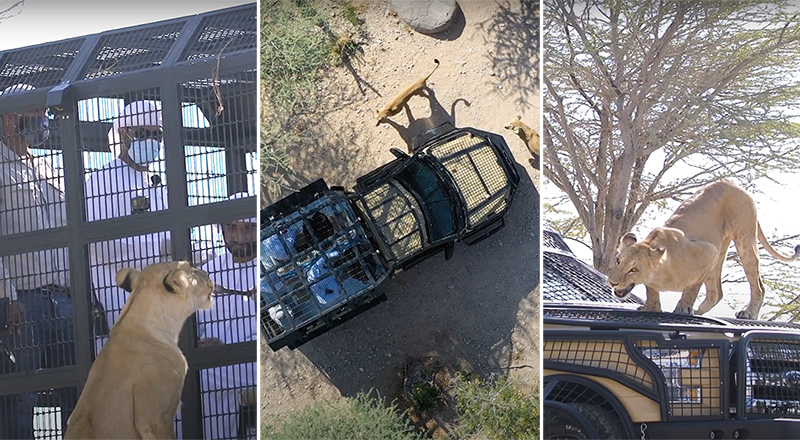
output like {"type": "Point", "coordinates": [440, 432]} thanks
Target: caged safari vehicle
{"type": "Point", "coordinates": [325, 251]}
{"type": "Point", "coordinates": [611, 371]}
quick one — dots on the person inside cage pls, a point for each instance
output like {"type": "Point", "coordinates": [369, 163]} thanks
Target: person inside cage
{"type": "Point", "coordinates": [230, 321]}
{"type": "Point", "coordinates": [126, 186]}
{"type": "Point", "coordinates": [35, 285]}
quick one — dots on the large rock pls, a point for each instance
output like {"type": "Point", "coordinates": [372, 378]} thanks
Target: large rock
{"type": "Point", "coordinates": [426, 16]}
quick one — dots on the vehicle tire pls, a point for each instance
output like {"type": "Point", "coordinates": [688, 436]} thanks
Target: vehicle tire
{"type": "Point", "coordinates": [603, 421]}
{"type": "Point", "coordinates": [562, 422]}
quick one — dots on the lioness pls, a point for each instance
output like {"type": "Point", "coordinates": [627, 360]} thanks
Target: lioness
{"type": "Point", "coordinates": [690, 249]}
{"type": "Point", "coordinates": [394, 106]}
{"type": "Point", "coordinates": [527, 134]}
{"type": "Point", "coordinates": [134, 386]}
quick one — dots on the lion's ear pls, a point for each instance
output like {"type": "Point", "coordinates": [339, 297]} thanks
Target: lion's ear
{"type": "Point", "coordinates": [176, 280]}
{"type": "Point", "coordinates": [628, 239]}
{"type": "Point", "coordinates": [126, 278]}
{"type": "Point", "coordinates": [657, 252]}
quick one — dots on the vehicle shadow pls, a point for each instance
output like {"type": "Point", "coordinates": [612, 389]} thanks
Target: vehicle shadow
{"type": "Point", "coordinates": [462, 311]}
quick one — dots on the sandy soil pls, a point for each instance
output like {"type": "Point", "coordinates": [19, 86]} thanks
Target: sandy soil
{"type": "Point", "coordinates": [480, 310]}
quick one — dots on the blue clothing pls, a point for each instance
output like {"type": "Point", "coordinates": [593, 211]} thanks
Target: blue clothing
{"type": "Point", "coordinates": [46, 340]}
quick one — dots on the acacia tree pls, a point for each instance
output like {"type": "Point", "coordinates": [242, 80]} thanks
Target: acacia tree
{"type": "Point", "coordinates": [9, 9]}
{"type": "Point", "coordinates": [647, 101]}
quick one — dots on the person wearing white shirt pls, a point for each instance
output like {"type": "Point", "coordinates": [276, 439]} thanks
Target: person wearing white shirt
{"type": "Point", "coordinates": [125, 187]}
{"type": "Point", "coordinates": [232, 320]}
{"type": "Point", "coordinates": [35, 284]}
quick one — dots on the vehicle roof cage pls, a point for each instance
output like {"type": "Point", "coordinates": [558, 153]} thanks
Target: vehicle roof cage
{"type": "Point", "coordinates": [201, 71]}
{"type": "Point", "coordinates": [568, 279]}
{"type": "Point", "coordinates": [318, 266]}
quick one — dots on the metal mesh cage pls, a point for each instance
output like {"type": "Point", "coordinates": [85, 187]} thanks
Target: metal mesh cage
{"type": "Point", "coordinates": [772, 377]}
{"type": "Point", "coordinates": [605, 354]}
{"type": "Point", "coordinates": [693, 378]}
{"type": "Point", "coordinates": [219, 122]}
{"type": "Point", "coordinates": [36, 414]}
{"type": "Point", "coordinates": [567, 279]}
{"type": "Point", "coordinates": [228, 401]}
{"type": "Point", "coordinates": [120, 171]}
{"type": "Point", "coordinates": [477, 172]}
{"type": "Point", "coordinates": [552, 240]}
{"type": "Point", "coordinates": [226, 32]}
{"type": "Point", "coordinates": [314, 261]}
{"type": "Point", "coordinates": [132, 50]}
{"type": "Point", "coordinates": [397, 216]}
{"type": "Point", "coordinates": [39, 66]}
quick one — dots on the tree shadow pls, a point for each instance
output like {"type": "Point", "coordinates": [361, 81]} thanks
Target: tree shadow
{"type": "Point", "coordinates": [516, 52]}
{"type": "Point", "coordinates": [439, 115]}
{"type": "Point", "coordinates": [462, 311]}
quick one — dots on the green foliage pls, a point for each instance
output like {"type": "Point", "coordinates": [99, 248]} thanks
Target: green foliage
{"type": "Point", "coordinates": [359, 418]}
{"type": "Point", "coordinates": [297, 43]}
{"type": "Point", "coordinates": [351, 14]}
{"type": "Point", "coordinates": [425, 395]}
{"type": "Point", "coordinates": [646, 102]}
{"type": "Point", "coordinates": [495, 410]}
{"type": "Point", "coordinates": [293, 49]}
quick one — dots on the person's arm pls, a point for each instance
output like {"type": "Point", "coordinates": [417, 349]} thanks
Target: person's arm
{"type": "Point", "coordinates": [7, 289]}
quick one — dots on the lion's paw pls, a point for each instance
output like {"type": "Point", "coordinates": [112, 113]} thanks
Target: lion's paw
{"type": "Point", "coordinates": [744, 314]}
{"type": "Point", "coordinates": [683, 310]}
{"type": "Point", "coordinates": [647, 308]}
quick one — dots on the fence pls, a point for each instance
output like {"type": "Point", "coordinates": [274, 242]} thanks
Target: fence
{"type": "Point", "coordinates": [97, 195]}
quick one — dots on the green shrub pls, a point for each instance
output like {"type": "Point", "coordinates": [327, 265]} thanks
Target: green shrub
{"type": "Point", "coordinates": [293, 49]}
{"type": "Point", "coordinates": [359, 418]}
{"type": "Point", "coordinates": [495, 410]}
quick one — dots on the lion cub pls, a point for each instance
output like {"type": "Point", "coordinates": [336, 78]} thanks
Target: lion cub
{"type": "Point", "coordinates": [396, 104]}
{"type": "Point", "coordinates": [134, 387]}
{"type": "Point", "coordinates": [527, 134]}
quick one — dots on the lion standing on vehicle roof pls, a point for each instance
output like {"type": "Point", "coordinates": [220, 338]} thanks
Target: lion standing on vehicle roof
{"type": "Point", "coordinates": [690, 249]}
{"type": "Point", "coordinates": [134, 387]}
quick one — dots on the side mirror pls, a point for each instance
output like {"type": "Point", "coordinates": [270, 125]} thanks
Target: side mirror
{"type": "Point", "coordinates": [398, 154]}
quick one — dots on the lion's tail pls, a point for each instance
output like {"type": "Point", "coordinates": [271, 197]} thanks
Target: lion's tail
{"type": "Point", "coordinates": [772, 251]}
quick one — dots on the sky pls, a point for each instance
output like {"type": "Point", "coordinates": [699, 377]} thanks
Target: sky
{"type": "Point", "coordinates": [42, 21]}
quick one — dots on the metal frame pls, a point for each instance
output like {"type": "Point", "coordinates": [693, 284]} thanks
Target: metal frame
{"type": "Point", "coordinates": [659, 391]}
{"type": "Point", "coordinates": [741, 366]}
{"type": "Point", "coordinates": [179, 219]}
{"type": "Point", "coordinates": [550, 382]}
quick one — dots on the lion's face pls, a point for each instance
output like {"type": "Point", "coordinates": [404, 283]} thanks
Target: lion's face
{"type": "Point", "coordinates": [634, 265]}
{"type": "Point", "coordinates": [515, 126]}
{"type": "Point", "coordinates": [177, 283]}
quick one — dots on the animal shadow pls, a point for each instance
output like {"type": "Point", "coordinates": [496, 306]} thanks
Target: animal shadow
{"type": "Point", "coordinates": [416, 127]}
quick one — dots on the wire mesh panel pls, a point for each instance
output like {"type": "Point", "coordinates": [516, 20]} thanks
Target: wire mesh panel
{"type": "Point", "coordinates": [44, 413]}
{"type": "Point", "coordinates": [225, 32]}
{"type": "Point", "coordinates": [219, 119]}
{"type": "Point", "coordinates": [36, 312]}
{"type": "Point", "coordinates": [397, 216]}
{"type": "Point", "coordinates": [693, 377]}
{"type": "Point", "coordinates": [133, 50]}
{"type": "Point", "coordinates": [101, 181]}
{"type": "Point", "coordinates": [106, 259]}
{"type": "Point", "coordinates": [607, 354]}
{"type": "Point", "coordinates": [567, 279]}
{"type": "Point", "coordinates": [228, 401]}
{"type": "Point", "coordinates": [312, 261]}
{"type": "Point", "coordinates": [477, 172]}
{"type": "Point", "coordinates": [552, 240]}
{"type": "Point", "coordinates": [39, 66]}
{"type": "Point", "coordinates": [772, 377]}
